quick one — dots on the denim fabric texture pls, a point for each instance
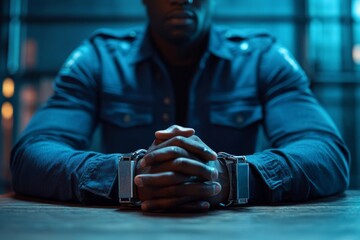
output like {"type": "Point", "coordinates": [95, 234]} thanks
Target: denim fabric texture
{"type": "Point", "coordinates": [245, 82]}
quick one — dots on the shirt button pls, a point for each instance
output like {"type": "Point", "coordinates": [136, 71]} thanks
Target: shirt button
{"type": "Point", "coordinates": [166, 117]}
{"type": "Point", "coordinates": [127, 118]}
{"type": "Point", "coordinates": [167, 101]}
{"type": "Point", "coordinates": [244, 46]}
{"type": "Point", "coordinates": [239, 119]}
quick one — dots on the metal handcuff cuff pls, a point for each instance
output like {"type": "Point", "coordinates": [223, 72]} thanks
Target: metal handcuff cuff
{"type": "Point", "coordinates": [237, 167]}
{"type": "Point", "coordinates": [126, 174]}
{"type": "Point", "coordinates": [238, 172]}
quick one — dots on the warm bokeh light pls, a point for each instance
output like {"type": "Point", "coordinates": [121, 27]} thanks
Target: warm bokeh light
{"type": "Point", "coordinates": [356, 54]}
{"type": "Point", "coordinates": [7, 110]}
{"type": "Point", "coordinates": [8, 87]}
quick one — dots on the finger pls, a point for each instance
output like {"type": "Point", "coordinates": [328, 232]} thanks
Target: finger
{"type": "Point", "coordinates": [200, 206]}
{"type": "Point", "coordinates": [160, 155]}
{"type": "Point", "coordinates": [173, 131]}
{"type": "Point", "coordinates": [192, 145]}
{"type": "Point", "coordinates": [193, 207]}
{"type": "Point", "coordinates": [163, 179]}
{"type": "Point", "coordinates": [164, 203]}
{"type": "Point", "coordinates": [187, 167]}
{"type": "Point", "coordinates": [196, 190]}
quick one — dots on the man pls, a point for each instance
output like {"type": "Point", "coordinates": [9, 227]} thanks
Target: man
{"type": "Point", "coordinates": [181, 69]}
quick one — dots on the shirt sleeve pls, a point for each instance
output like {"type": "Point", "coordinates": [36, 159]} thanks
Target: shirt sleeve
{"type": "Point", "coordinates": [50, 160]}
{"type": "Point", "coordinates": [308, 158]}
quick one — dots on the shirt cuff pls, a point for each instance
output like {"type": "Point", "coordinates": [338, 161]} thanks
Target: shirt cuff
{"type": "Point", "coordinates": [99, 179]}
{"type": "Point", "coordinates": [270, 178]}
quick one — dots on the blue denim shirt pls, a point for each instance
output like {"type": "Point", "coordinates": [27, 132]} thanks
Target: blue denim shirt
{"type": "Point", "coordinates": [245, 82]}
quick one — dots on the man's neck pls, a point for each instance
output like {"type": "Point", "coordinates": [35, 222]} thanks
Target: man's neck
{"type": "Point", "coordinates": [180, 55]}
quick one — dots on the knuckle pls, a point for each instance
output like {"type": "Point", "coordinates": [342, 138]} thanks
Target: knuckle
{"type": "Point", "coordinates": [177, 162]}
{"type": "Point", "coordinates": [176, 127]}
{"type": "Point", "coordinates": [180, 163]}
{"type": "Point", "coordinates": [146, 180]}
{"type": "Point", "coordinates": [178, 152]}
{"type": "Point", "coordinates": [175, 150]}
{"type": "Point", "coordinates": [174, 175]}
{"type": "Point", "coordinates": [149, 156]}
{"type": "Point", "coordinates": [179, 140]}
{"type": "Point", "coordinates": [169, 176]}
{"type": "Point", "coordinates": [195, 138]}
{"type": "Point", "coordinates": [171, 127]}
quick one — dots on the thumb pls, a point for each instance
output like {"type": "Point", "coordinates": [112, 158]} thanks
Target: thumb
{"type": "Point", "coordinates": [173, 131]}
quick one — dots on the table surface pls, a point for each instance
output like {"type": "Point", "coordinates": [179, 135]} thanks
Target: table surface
{"type": "Point", "coordinates": [336, 217]}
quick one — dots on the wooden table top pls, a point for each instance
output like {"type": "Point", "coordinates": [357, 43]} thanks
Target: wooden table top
{"type": "Point", "coordinates": [335, 217]}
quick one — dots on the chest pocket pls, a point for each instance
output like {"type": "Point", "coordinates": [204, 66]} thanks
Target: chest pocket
{"type": "Point", "coordinates": [126, 111]}
{"type": "Point", "coordinates": [236, 115]}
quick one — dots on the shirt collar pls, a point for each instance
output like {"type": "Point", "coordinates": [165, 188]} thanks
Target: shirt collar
{"type": "Point", "coordinates": [142, 48]}
{"type": "Point", "coordinates": [218, 46]}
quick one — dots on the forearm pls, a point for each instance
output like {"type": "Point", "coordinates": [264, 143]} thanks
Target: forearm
{"type": "Point", "coordinates": [302, 170]}
{"type": "Point", "coordinates": [52, 170]}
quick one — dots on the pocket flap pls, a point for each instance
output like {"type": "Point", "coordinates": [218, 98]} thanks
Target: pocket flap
{"type": "Point", "coordinates": [237, 116]}
{"type": "Point", "coordinates": [126, 114]}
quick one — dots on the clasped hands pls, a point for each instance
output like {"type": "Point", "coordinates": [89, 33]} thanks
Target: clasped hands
{"type": "Point", "coordinates": [180, 173]}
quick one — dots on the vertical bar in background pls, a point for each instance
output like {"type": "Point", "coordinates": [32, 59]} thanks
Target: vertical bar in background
{"type": "Point", "coordinates": [4, 23]}
{"type": "Point", "coordinates": [356, 58]}
{"type": "Point", "coordinates": [347, 35]}
{"type": "Point", "coordinates": [349, 91]}
{"type": "Point", "coordinates": [14, 45]}
{"type": "Point", "coordinates": [301, 33]}
{"type": "Point", "coordinates": [356, 34]}
{"type": "Point", "coordinates": [11, 70]}
{"type": "Point", "coordinates": [2, 75]}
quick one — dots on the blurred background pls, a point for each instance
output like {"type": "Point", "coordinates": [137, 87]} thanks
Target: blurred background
{"type": "Point", "coordinates": [36, 36]}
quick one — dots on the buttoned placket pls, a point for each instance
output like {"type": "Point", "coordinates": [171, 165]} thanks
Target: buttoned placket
{"type": "Point", "coordinates": [192, 120]}
{"type": "Point", "coordinates": [164, 94]}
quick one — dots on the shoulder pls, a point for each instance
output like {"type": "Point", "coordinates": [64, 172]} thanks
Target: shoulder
{"type": "Point", "coordinates": [117, 37]}
{"type": "Point", "coordinates": [101, 41]}
{"type": "Point", "coordinates": [129, 34]}
{"type": "Point", "coordinates": [247, 39]}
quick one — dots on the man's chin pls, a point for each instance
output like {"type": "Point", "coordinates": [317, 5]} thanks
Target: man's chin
{"type": "Point", "coordinates": [180, 39]}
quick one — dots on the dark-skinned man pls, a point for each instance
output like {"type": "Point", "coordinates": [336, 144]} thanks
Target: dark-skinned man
{"type": "Point", "coordinates": [202, 89]}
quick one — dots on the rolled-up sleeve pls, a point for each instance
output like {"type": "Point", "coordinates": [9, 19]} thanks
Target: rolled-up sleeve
{"type": "Point", "coordinates": [308, 158]}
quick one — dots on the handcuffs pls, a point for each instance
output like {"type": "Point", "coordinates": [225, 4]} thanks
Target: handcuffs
{"type": "Point", "coordinates": [126, 174]}
{"type": "Point", "coordinates": [237, 167]}
{"type": "Point", "coordinates": [238, 172]}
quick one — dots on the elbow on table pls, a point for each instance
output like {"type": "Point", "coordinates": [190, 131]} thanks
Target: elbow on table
{"type": "Point", "coordinates": [330, 174]}
{"type": "Point", "coordinates": [341, 170]}
{"type": "Point", "coordinates": [19, 182]}
{"type": "Point", "coordinates": [344, 176]}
